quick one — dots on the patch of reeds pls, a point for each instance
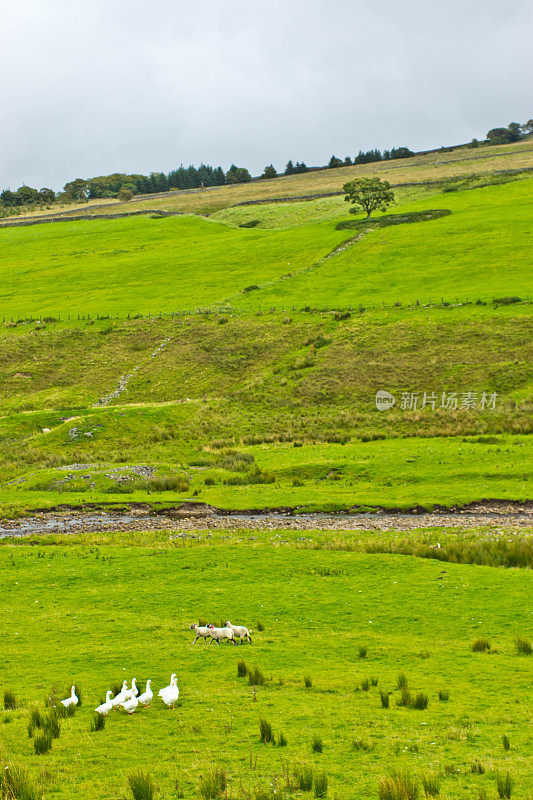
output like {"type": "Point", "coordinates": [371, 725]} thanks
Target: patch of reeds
{"type": "Point", "coordinates": [141, 785]}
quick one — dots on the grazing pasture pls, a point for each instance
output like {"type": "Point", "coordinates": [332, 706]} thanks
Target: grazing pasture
{"type": "Point", "coordinates": [125, 612]}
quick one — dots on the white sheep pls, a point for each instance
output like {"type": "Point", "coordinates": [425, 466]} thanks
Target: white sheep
{"type": "Point", "coordinates": [240, 631]}
{"type": "Point", "coordinates": [201, 632]}
{"type": "Point", "coordinates": [217, 634]}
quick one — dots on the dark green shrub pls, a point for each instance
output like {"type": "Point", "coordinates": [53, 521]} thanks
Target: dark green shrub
{"type": "Point", "coordinates": [10, 701]}
{"type": "Point", "coordinates": [317, 744]}
{"type": "Point", "coordinates": [141, 785]}
{"type": "Point", "coordinates": [42, 743]}
{"type": "Point", "coordinates": [321, 785]}
{"type": "Point", "coordinates": [265, 731]}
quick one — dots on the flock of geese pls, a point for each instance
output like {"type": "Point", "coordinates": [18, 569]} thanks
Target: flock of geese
{"type": "Point", "coordinates": [130, 699]}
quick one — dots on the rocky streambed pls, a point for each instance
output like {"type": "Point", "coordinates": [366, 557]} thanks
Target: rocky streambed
{"type": "Point", "coordinates": [191, 517]}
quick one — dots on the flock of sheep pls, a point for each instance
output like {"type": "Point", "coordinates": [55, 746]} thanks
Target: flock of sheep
{"type": "Point", "coordinates": [130, 699]}
{"type": "Point", "coordinates": [228, 632]}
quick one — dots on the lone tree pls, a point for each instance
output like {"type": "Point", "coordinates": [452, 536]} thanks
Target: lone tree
{"type": "Point", "coordinates": [368, 194]}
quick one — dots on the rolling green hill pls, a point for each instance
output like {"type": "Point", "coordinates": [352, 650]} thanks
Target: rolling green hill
{"type": "Point", "coordinates": [311, 312]}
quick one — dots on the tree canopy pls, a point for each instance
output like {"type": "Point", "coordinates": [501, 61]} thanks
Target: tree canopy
{"type": "Point", "coordinates": [368, 194]}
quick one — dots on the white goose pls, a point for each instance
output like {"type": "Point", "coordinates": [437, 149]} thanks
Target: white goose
{"type": "Point", "coordinates": [72, 700]}
{"type": "Point", "coordinates": [106, 707]}
{"type": "Point", "coordinates": [169, 694]}
{"type": "Point", "coordinates": [130, 705]}
{"type": "Point", "coordinates": [133, 692]}
{"type": "Point", "coordinates": [121, 696]}
{"type": "Point", "coordinates": [146, 697]}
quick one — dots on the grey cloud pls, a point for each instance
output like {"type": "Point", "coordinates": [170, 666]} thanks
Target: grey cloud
{"type": "Point", "coordinates": [91, 86]}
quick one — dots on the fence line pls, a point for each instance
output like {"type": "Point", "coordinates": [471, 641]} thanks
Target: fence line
{"type": "Point", "coordinates": [266, 309]}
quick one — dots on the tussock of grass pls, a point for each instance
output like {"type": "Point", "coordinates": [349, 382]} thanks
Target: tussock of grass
{"type": "Point", "coordinates": [42, 743]}
{"type": "Point", "coordinates": [321, 784]}
{"type": "Point", "coordinates": [303, 776]}
{"type": "Point", "coordinates": [213, 783]}
{"type": "Point", "coordinates": [242, 669]}
{"type": "Point", "coordinates": [444, 695]}
{"type": "Point", "coordinates": [141, 785]}
{"type": "Point", "coordinates": [363, 652]}
{"type": "Point", "coordinates": [506, 742]}
{"type": "Point", "coordinates": [256, 677]}
{"type": "Point", "coordinates": [308, 681]}
{"type": "Point", "coordinates": [317, 744]}
{"type": "Point", "coordinates": [481, 645]}
{"type": "Point", "coordinates": [10, 700]}
{"type": "Point", "coordinates": [523, 646]}
{"type": "Point", "coordinates": [504, 786]}
{"type": "Point", "coordinates": [15, 783]}
{"type": "Point", "coordinates": [477, 767]}
{"type": "Point", "coordinates": [98, 722]}
{"type": "Point", "coordinates": [385, 699]}
{"type": "Point", "coordinates": [430, 785]}
{"type": "Point", "coordinates": [399, 786]}
{"type": "Point", "coordinates": [265, 732]}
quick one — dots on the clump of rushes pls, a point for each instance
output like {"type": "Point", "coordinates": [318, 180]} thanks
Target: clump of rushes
{"type": "Point", "coordinates": [405, 698]}
{"type": "Point", "coordinates": [384, 697]}
{"type": "Point", "coordinates": [15, 783]}
{"type": "Point", "coordinates": [265, 731]}
{"type": "Point", "coordinates": [98, 722]}
{"type": "Point", "coordinates": [141, 785]}
{"type": "Point", "coordinates": [317, 744]}
{"type": "Point", "coordinates": [401, 681]}
{"type": "Point", "coordinates": [308, 681]}
{"type": "Point", "coordinates": [362, 652]}
{"type": "Point", "coordinates": [374, 680]}
{"type": "Point", "coordinates": [52, 725]}
{"type": "Point", "coordinates": [398, 786]}
{"type": "Point", "coordinates": [304, 778]}
{"type": "Point", "coordinates": [477, 767]}
{"type": "Point", "coordinates": [365, 685]}
{"type": "Point", "coordinates": [260, 627]}
{"type": "Point", "coordinates": [430, 785]}
{"type": "Point", "coordinates": [505, 742]}
{"type": "Point", "coordinates": [242, 669]}
{"type": "Point", "coordinates": [79, 695]}
{"type": "Point", "coordinates": [10, 701]}
{"type": "Point", "coordinates": [504, 786]}
{"type": "Point", "coordinates": [213, 784]}
{"type": "Point", "coordinates": [361, 744]}
{"type": "Point", "coordinates": [321, 785]}
{"type": "Point", "coordinates": [481, 645]}
{"type": "Point", "coordinates": [256, 677]}
{"type": "Point", "coordinates": [522, 645]}
{"type": "Point", "coordinates": [282, 741]}
{"type": "Point", "coordinates": [444, 695]}
{"type": "Point", "coordinates": [42, 743]}
{"type": "Point", "coordinates": [420, 701]}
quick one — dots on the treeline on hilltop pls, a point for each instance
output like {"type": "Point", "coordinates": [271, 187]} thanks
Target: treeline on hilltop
{"type": "Point", "coordinates": [125, 186]}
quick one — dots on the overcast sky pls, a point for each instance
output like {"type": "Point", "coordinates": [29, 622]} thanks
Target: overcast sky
{"type": "Point", "coordinates": [89, 87]}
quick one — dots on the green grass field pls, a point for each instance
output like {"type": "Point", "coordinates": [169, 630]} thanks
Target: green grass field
{"type": "Point", "coordinates": [125, 611]}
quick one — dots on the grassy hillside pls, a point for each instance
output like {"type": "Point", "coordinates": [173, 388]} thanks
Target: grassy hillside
{"type": "Point", "coordinates": [315, 312]}
{"type": "Point", "coordinates": [141, 265]}
{"type": "Point", "coordinates": [124, 612]}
